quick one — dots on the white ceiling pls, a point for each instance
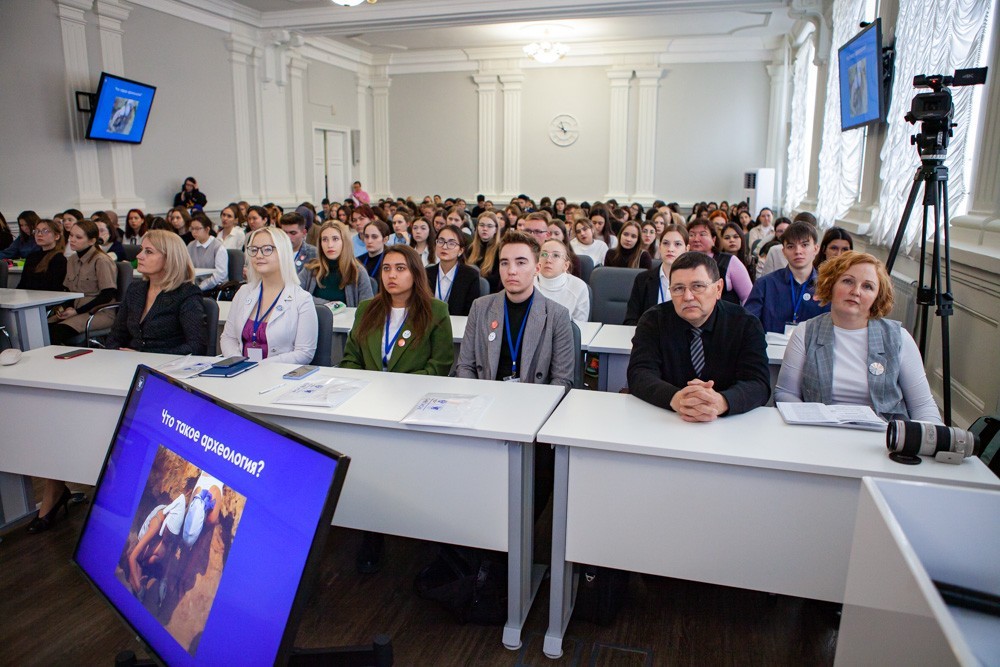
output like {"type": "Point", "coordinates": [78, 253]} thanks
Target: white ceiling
{"type": "Point", "coordinates": [395, 26]}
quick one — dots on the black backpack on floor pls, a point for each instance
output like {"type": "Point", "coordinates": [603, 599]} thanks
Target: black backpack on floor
{"type": "Point", "coordinates": [470, 583]}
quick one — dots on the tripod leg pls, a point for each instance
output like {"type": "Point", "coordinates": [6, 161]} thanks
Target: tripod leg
{"type": "Point", "coordinates": [924, 293]}
{"type": "Point", "coordinates": [945, 309]}
{"type": "Point", "coordinates": [901, 229]}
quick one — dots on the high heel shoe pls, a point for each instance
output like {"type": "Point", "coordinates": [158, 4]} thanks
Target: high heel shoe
{"type": "Point", "coordinates": [42, 523]}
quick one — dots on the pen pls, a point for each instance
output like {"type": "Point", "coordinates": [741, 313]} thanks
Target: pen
{"type": "Point", "coordinates": [270, 389]}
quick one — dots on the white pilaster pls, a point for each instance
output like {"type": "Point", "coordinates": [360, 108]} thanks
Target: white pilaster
{"type": "Point", "coordinates": [380, 131]}
{"type": "Point", "coordinates": [297, 68]}
{"type": "Point", "coordinates": [511, 86]}
{"type": "Point", "coordinates": [274, 119]}
{"type": "Point", "coordinates": [362, 170]}
{"type": "Point", "coordinates": [74, 40]}
{"type": "Point", "coordinates": [258, 99]}
{"type": "Point", "coordinates": [486, 89]}
{"type": "Point", "coordinates": [618, 152]}
{"type": "Point", "coordinates": [776, 152]}
{"type": "Point", "coordinates": [240, 53]}
{"type": "Point", "coordinates": [645, 158]}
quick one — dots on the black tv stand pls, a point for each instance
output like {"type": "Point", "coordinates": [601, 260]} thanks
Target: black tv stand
{"type": "Point", "coordinates": [377, 654]}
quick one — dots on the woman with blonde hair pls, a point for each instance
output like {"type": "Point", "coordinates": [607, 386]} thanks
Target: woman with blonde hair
{"type": "Point", "coordinates": [335, 275]}
{"type": "Point", "coordinates": [163, 312]}
{"type": "Point", "coordinates": [484, 251]}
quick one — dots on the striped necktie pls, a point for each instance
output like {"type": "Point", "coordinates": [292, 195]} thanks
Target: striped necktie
{"type": "Point", "coordinates": [697, 352]}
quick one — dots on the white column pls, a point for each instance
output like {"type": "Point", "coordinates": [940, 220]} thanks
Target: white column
{"type": "Point", "coordinates": [74, 41]}
{"type": "Point", "coordinates": [511, 86]}
{"type": "Point", "coordinates": [618, 151]}
{"type": "Point", "coordinates": [110, 16]}
{"type": "Point", "coordinates": [297, 68]}
{"type": "Point", "coordinates": [239, 57]}
{"type": "Point", "coordinates": [274, 121]}
{"type": "Point", "coordinates": [776, 153]}
{"type": "Point", "coordinates": [362, 170]}
{"type": "Point", "coordinates": [645, 158]}
{"type": "Point", "coordinates": [380, 132]}
{"type": "Point", "coordinates": [486, 89]}
{"type": "Point", "coordinates": [263, 187]}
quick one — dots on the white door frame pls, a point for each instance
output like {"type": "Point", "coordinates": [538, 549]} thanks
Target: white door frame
{"type": "Point", "coordinates": [319, 159]}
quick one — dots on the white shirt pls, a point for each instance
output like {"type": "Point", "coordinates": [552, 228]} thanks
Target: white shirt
{"type": "Point", "coordinates": [759, 233]}
{"type": "Point", "coordinates": [396, 318]}
{"type": "Point", "coordinates": [569, 291]}
{"type": "Point", "coordinates": [442, 290]}
{"type": "Point", "coordinates": [234, 241]}
{"type": "Point", "coordinates": [664, 295]}
{"type": "Point", "coordinates": [596, 250]}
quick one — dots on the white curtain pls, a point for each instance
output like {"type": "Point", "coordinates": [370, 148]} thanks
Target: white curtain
{"type": "Point", "coordinates": [932, 37]}
{"type": "Point", "coordinates": [841, 154]}
{"type": "Point", "coordinates": [797, 179]}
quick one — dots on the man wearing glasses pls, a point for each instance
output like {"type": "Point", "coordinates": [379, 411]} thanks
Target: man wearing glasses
{"type": "Point", "coordinates": [698, 355]}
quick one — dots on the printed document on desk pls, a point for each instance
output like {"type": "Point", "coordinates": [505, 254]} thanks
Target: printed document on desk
{"type": "Point", "coordinates": [322, 392]}
{"type": "Point", "coordinates": [183, 368]}
{"type": "Point", "coordinates": [819, 414]}
{"type": "Point", "coordinates": [456, 410]}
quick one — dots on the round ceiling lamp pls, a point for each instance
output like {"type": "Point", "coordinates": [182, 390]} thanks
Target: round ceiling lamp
{"type": "Point", "coordinates": [352, 3]}
{"type": "Point", "coordinates": [546, 52]}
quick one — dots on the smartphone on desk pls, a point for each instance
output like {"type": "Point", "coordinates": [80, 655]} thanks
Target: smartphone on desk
{"type": "Point", "coordinates": [72, 354]}
{"type": "Point", "coordinates": [300, 372]}
{"type": "Point", "coordinates": [229, 362]}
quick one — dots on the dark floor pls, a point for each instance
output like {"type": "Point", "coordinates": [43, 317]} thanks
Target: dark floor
{"type": "Point", "coordinates": [49, 615]}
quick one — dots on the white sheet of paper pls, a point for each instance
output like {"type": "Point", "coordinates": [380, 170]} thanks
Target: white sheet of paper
{"type": "Point", "coordinates": [322, 392]}
{"type": "Point", "coordinates": [456, 410]}
{"type": "Point", "coordinates": [183, 368]}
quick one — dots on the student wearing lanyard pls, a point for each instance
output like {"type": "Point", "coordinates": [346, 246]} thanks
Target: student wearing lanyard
{"type": "Point", "coordinates": [452, 280]}
{"type": "Point", "coordinates": [375, 235]}
{"type": "Point", "coordinates": [403, 329]}
{"type": "Point", "coordinates": [272, 317]}
{"type": "Point", "coordinates": [788, 296]}
{"type": "Point", "coordinates": [652, 287]}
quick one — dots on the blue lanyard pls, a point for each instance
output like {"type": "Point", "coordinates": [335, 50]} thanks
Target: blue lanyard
{"type": "Point", "coordinates": [390, 342]}
{"type": "Point", "coordinates": [257, 320]}
{"type": "Point", "coordinates": [516, 346]}
{"type": "Point", "coordinates": [659, 281]}
{"type": "Point", "coordinates": [797, 294]}
{"type": "Point", "coordinates": [378, 264]}
{"type": "Point", "coordinates": [450, 287]}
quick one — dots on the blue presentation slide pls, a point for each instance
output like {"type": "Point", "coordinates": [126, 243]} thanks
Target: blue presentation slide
{"type": "Point", "coordinates": [121, 111]}
{"type": "Point", "coordinates": [860, 80]}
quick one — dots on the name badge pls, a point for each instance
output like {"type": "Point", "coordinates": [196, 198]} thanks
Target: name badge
{"type": "Point", "coordinates": [255, 353]}
{"type": "Point", "coordinates": [789, 328]}
{"type": "Point", "coordinates": [511, 378]}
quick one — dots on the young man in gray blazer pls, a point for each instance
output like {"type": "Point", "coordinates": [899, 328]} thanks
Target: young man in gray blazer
{"type": "Point", "coordinates": [518, 335]}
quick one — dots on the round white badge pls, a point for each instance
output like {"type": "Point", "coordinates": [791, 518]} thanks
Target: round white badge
{"type": "Point", "coordinates": [807, 296]}
{"type": "Point", "coordinates": [876, 368]}
{"type": "Point", "coordinates": [493, 336]}
{"type": "Point", "coordinates": [406, 334]}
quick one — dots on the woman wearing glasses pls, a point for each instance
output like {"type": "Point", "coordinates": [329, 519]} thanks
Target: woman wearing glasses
{"type": "Point", "coordinates": [272, 317]}
{"type": "Point", "coordinates": [45, 268]}
{"type": "Point", "coordinates": [450, 280]}
{"type": "Point", "coordinates": [555, 282]}
{"type": "Point", "coordinates": [484, 253]}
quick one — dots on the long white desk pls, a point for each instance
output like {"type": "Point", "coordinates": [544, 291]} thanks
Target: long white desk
{"type": "Point", "coordinates": [745, 501]}
{"type": "Point", "coordinates": [459, 486]}
{"type": "Point", "coordinates": [23, 312]}
{"type": "Point", "coordinates": [613, 345]}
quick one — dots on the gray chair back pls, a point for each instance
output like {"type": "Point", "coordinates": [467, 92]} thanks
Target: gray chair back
{"type": "Point", "coordinates": [374, 285]}
{"type": "Point", "coordinates": [611, 288]}
{"type": "Point", "coordinates": [324, 339]}
{"type": "Point", "coordinates": [212, 323]}
{"type": "Point", "coordinates": [586, 267]}
{"type": "Point", "coordinates": [484, 286]}
{"type": "Point", "coordinates": [125, 273]}
{"type": "Point", "coordinates": [577, 357]}
{"type": "Point", "coordinates": [236, 262]}
{"type": "Point", "coordinates": [131, 251]}
{"type": "Point", "coordinates": [657, 263]}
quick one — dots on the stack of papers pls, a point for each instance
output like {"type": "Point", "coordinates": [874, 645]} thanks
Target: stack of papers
{"type": "Point", "coordinates": [185, 367]}
{"type": "Point", "coordinates": [774, 338]}
{"type": "Point", "coordinates": [322, 392]}
{"type": "Point", "coordinates": [818, 414]}
{"type": "Point", "coordinates": [455, 410]}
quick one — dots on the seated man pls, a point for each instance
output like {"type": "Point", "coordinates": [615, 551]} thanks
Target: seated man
{"type": "Point", "coordinates": [788, 295]}
{"type": "Point", "coordinates": [697, 355]}
{"type": "Point", "coordinates": [294, 225]}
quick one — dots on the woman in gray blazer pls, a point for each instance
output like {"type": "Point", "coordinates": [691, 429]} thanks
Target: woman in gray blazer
{"type": "Point", "coordinates": [335, 275]}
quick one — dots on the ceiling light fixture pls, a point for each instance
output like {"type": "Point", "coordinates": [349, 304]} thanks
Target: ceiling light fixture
{"type": "Point", "coordinates": [352, 3]}
{"type": "Point", "coordinates": [546, 52]}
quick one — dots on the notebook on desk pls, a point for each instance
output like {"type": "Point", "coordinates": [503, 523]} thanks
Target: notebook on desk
{"type": "Point", "coordinates": [229, 371]}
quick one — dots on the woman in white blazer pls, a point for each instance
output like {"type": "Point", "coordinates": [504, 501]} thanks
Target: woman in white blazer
{"type": "Point", "coordinates": [272, 318]}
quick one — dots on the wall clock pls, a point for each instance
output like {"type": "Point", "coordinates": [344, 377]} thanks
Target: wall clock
{"type": "Point", "coordinates": [564, 130]}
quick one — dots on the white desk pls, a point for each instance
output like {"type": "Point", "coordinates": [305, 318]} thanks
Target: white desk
{"type": "Point", "coordinates": [745, 501]}
{"type": "Point", "coordinates": [23, 312]}
{"type": "Point", "coordinates": [459, 486]}
{"type": "Point", "coordinates": [613, 344]}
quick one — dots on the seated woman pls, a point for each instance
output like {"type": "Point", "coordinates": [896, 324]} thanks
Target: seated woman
{"type": "Point", "coordinates": [400, 228]}
{"type": "Point", "coordinates": [584, 242]}
{"type": "Point", "coordinates": [135, 227]}
{"type": "Point", "coordinates": [836, 241]}
{"type": "Point", "coordinates": [653, 287]}
{"type": "Point", "coordinates": [107, 232]}
{"type": "Point", "coordinates": [702, 237]}
{"type": "Point", "coordinates": [558, 231]}
{"type": "Point", "coordinates": [403, 329]}
{"type": "Point", "coordinates": [163, 312]}
{"type": "Point", "coordinates": [257, 218]}
{"type": "Point", "coordinates": [70, 217]}
{"type": "Point", "coordinates": [650, 239]}
{"type": "Point", "coordinates": [422, 238]}
{"type": "Point", "coordinates": [600, 218]}
{"type": "Point", "coordinates": [231, 233]}
{"type": "Point", "coordinates": [45, 269]}
{"type": "Point", "coordinates": [451, 280]}
{"type": "Point", "coordinates": [483, 254]}
{"type": "Point", "coordinates": [734, 242]}
{"type": "Point", "coordinates": [375, 235]}
{"type": "Point", "coordinates": [628, 252]}
{"type": "Point", "coordinates": [555, 282]}
{"type": "Point", "coordinates": [90, 271]}
{"type": "Point", "coordinates": [207, 252]}
{"type": "Point", "coordinates": [272, 318]}
{"type": "Point", "coordinates": [335, 275]}
{"type": "Point", "coordinates": [24, 244]}
{"type": "Point", "coordinates": [852, 355]}
{"type": "Point", "coordinates": [180, 220]}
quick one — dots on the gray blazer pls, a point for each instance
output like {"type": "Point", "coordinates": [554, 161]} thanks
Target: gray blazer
{"type": "Point", "coordinates": [353, 294]}
{"type": "Point", "coordinates": [548, 342]}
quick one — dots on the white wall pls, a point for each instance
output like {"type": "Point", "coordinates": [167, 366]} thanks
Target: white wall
{"type": "Point", "coordinates": [712, 127]}
{"type": "Point", "coordinates": [35, 153]}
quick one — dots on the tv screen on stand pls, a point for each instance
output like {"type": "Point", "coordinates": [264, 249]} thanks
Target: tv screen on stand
{"type": "Point", "coordinates": [120, 110]}
{"type": "Point", "coordinates": [862, 97]}
{"type": "Point", "coordinates": [204, 525]}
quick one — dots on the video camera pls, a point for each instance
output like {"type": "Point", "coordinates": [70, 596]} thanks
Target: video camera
{"type": "Point", "coordinates": [935, 109]}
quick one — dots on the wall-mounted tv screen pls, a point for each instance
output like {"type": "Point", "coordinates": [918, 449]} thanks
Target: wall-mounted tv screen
{"type": "Point", "coordinates": [205, 523]}
{"type": "Point", "coordinates": [121, 110]}
{"type": "Point", "coordinates": [862, 98]}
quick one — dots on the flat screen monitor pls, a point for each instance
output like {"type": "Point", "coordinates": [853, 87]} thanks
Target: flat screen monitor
{"type": "Point", "coordinates": [206, 522]}
{"type": "Point", "coordinates": [120, 110]}
{"type": "Point", "coordinates": [862, 98]}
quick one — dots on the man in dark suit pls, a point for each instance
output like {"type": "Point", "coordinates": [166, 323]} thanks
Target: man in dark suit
{"type": "Point", "coordinates": [697, 355]}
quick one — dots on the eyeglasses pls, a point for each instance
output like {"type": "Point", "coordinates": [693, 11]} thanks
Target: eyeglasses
{"type": "Point", "coordinates": [696, 288]}
{"type": "Point", "coordinates": [265, 250]}
{"type": "Point", "coordinates": [486, 225]}
{"type": "Point", "coordinates": [537, 232]}
{"type": "Point", "coordinates": [554, 255]}
{"type": "Point", "coordinates": [42, 231]}
{"type": "Point", "coordinates": [702, 234]}
{"type": "Point", "coordinates": [446, 243]}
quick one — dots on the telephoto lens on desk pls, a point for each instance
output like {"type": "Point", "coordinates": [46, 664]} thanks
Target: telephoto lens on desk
{"type": "Point", "coordinates": [907, 441]}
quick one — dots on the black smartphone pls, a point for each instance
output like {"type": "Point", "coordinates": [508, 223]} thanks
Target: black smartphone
{"type": "Point", "coordinates": [230, 362]}
{"type": "Point", "coordinates": [73, 353]}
